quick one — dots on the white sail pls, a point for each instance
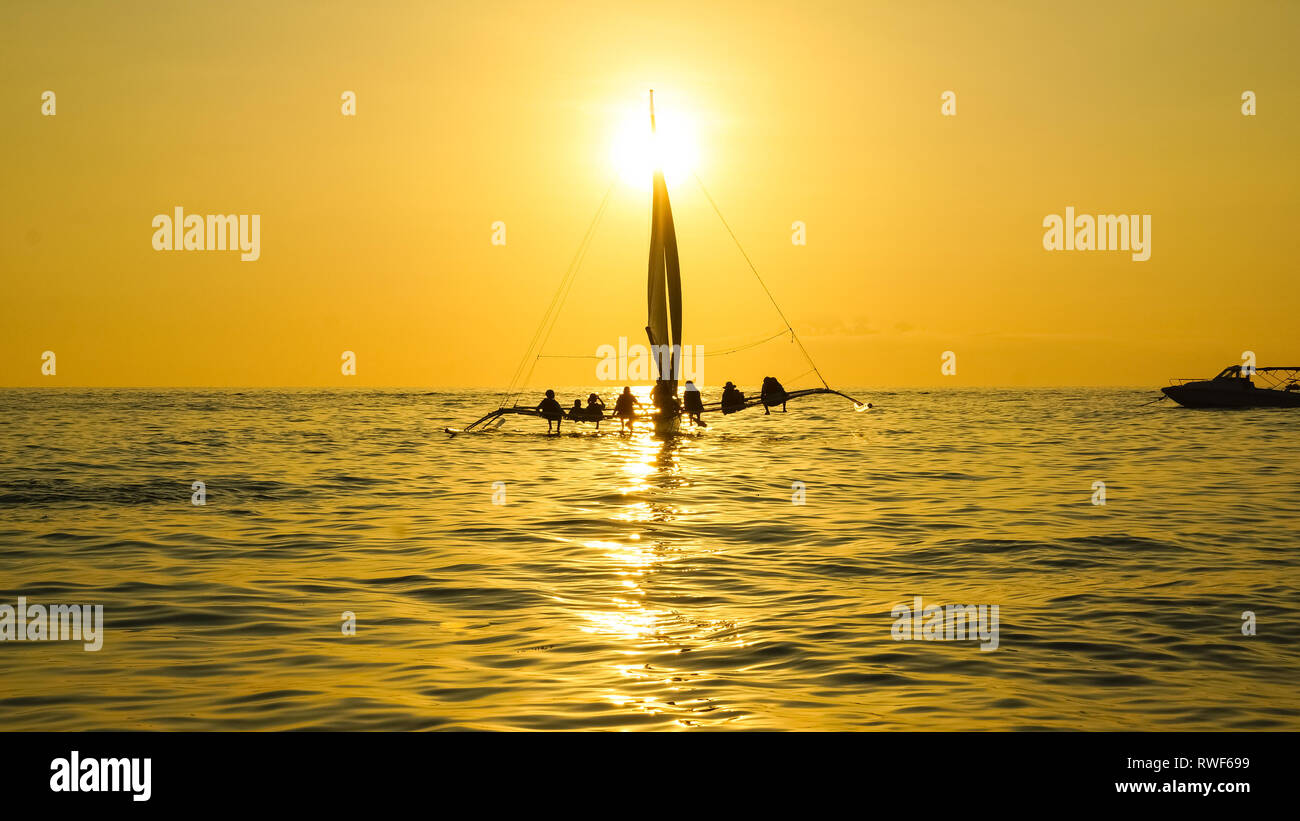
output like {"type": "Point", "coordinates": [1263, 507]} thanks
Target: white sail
{"type": "Point", "coordinates": [664, 292]}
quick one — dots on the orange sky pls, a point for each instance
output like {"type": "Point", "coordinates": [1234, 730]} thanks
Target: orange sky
{"type": "Point", "coordinates": [924, 231]}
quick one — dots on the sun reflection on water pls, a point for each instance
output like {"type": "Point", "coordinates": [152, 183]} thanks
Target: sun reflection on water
{"type": "Point", "coordinates": [654, 634]}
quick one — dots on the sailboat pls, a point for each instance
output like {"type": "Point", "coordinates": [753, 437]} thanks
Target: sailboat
{"type": "Point", "coordinates": [664, 327]}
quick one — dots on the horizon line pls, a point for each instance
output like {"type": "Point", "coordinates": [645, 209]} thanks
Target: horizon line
{"type": "Point", "coordinates": [849, 386]}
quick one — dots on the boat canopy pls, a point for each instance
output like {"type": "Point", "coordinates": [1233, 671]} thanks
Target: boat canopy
{"type": "Point", "coordinates": [1233, 369]}
{"type": "Point", "coordinates": [1273, 376]}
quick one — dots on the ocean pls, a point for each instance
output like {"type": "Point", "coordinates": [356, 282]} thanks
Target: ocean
{"type": "Point", "coordinates": [353, 567]}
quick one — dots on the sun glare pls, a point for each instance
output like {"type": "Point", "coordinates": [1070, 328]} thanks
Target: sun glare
{"type": "Point", "coordinates": [672, 146]}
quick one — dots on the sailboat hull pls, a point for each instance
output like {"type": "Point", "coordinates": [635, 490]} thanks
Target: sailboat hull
{"type": "Point", "coordinates": [1215, 394]}
{"type": "Point", "coordinates": [670, 426]}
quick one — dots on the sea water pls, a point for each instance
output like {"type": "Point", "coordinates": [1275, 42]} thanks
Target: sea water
{"type": "Point", "coordinates": [349, 565]}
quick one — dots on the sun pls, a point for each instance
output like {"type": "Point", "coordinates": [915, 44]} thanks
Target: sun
{"type": "Point", "coordinates": [637, 152]}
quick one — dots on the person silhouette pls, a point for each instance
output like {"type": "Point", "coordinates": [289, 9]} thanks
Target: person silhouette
{"type": "Point", "coordinates": [773, 394]}
{"type": "Point", "coordinates": [694, 403]}
{"type": "Point", "coordinates": [733, 399]}
{"type": "Point", "coordinates": [664, 399]}
{"type": "Point", "coordinates": [551, 411]}
{"type": "Point", "coordinates": [595, 409]}
{"type": "Point", "coordinates": [625, 409]}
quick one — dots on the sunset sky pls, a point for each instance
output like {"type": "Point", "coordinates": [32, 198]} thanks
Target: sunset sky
{"type": "Point", "coordinates": [924, 232]}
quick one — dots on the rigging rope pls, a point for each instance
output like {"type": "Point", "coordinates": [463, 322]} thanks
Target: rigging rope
{"type": "Point", "coordinates": [553, 310]}
{"type": "Point", "coordinates": [724, 352]}
{"type": "Point", "coordinates": [750, 262]}
{"type": "Point", "coordinates": [551, 317]}
{"type": "Point", "coordinates": [746, 347]}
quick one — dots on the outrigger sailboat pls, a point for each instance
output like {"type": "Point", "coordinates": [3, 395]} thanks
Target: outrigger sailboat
{"type": "Point", "coordinates": [664, 327]}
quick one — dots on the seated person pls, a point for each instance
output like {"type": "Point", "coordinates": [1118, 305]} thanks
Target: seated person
{"type": "Point", "coordinates": [595, 410]}
{"type": "Point", "coordinates": [694, 403]}
{"type": "Point", "coordinates": [733, 399]}
{"type": "Point", "coordinates": [665, 402]}
{"type": "Point", "coordinates": [625, 407]}
{"type": "Point", "coordinates": [773, 394]}
{"type": "Point", "coordinates": [577, 412]}
{"type": "Point", "coordinates": [551, 411]}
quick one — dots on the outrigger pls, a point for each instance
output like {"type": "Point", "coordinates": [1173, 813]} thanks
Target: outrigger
{"type": "Point", "coordinates": [673, 423]}
{"type": "Point", "coordinates": [663, 327]}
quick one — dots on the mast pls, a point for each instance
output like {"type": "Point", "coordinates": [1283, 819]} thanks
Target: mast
{"type": "Point", "coordinates": [664, 291]}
